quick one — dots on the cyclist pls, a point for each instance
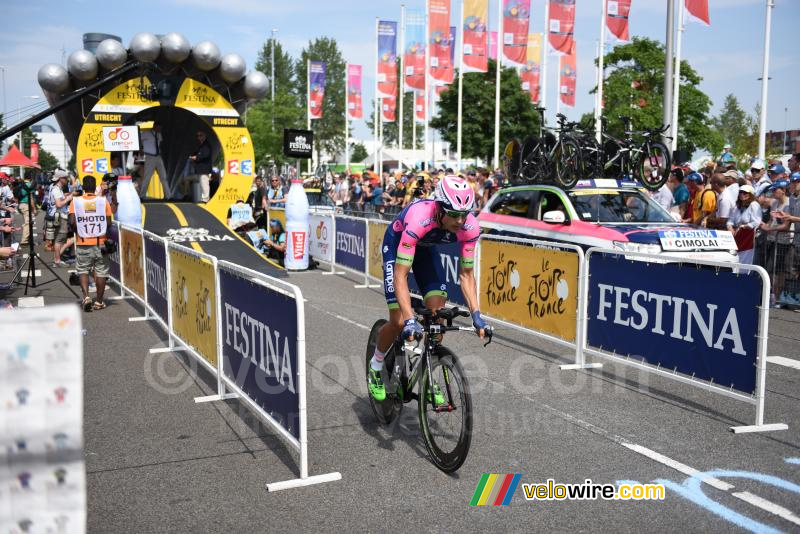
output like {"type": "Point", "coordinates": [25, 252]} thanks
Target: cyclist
{"type": "Point", "coordinates": [446, 218]}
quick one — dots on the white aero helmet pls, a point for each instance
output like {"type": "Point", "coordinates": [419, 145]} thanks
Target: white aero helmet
{"type": "Point", "coordinates": [455, 194]}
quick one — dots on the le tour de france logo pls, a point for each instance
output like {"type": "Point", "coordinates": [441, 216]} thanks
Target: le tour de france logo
{"type": "Point", "coordinates": [183, 296]}
{"type": "Point", "coordinates": [203, 309]}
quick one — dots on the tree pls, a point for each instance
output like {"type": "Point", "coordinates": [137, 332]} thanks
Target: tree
{"type": "Point", "coordinates": [635, 88]}
{"type": "Point", "coordinates": [266, 121]}
{"type": "Point", "coordinates": [518, 118]}
{"type": "Point", "coordinates": [329, 130]}
{"type": "Point", "coordinates": [284, 66]}
{"type": "Point", "coordinates": [358, 153]}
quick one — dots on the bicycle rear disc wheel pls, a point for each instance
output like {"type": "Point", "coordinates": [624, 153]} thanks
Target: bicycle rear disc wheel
{"type": "Point", "coordinates": [387, 410]}
{"type": "Point", "coordinates": [652, 169]}
{"type": "Point", "coordinates": [447, 434]}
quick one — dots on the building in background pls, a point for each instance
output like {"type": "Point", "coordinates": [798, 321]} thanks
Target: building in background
{"type": "Point", "coordinates": [54, 142]}
{"type": "Point", "coordinates": [789, 140]}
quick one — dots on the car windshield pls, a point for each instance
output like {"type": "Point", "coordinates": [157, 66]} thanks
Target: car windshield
{"type": "Point", "coordinates": [617, 206]}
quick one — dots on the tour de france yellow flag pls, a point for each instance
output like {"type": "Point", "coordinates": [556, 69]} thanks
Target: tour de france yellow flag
{"type": "Point", "coordinates": [531, 287]}
{"type": "Point", "coordinates": [194, 300]}
{"type": "Point", "coordinates": [132, 258]}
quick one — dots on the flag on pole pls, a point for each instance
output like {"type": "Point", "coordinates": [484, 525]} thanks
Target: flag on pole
{"type": "Point", "coordinates": [439, 39]}
{"type": "Point", "coordinates": [516, 19]}
{"type": "Point", "coordinates": [414, 53]}
{"type": "Point", "coordinates": [617, 12]}
{"type": "Point", "coordinates": [698, 10]}
{"type": "Point", "coordinates": [476, 15]}
{"type": "Point", "coordinates": [389, 108]}
{"type": "Point", "coordinates": [316, 89]}
{"type": "Point", "coordinates": [354, 106]}
{"type": "Point", "coordinates": [529, 74]}
{"type": "Point", "coordinates": [419, 105]}
{"type": "Point", "coordinates": [450, 73]}
{"type": "Point", "coordinates": [567, 78]}
{"type": "Point", "coordinates": [493, 45]}
{"type": "Point", "coordinates": [560, 27]}
{"type": "Point", "coordinates": [387, 58]}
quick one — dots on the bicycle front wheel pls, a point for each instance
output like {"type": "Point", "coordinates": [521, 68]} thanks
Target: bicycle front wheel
{"type": "Point", "coordinates": [568, 164]}
{"type": "Point", "coordinates": [446, 426]}
{"type": "Point", "coordinates": [652, 169]}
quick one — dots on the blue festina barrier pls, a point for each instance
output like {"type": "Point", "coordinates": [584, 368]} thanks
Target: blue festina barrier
{"type": "Point", "coordinates": [351, 240]}
{"type": "Point", "coordinates": [113, 259]}
{"type": "Point", "coordinates": [155, 259]}
{"type": "Point", "coordinates": [697, 321]}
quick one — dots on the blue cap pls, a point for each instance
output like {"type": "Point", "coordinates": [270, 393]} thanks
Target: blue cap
{"type": "Point", "coordinates": [780, 183]}
{"type": "Point", "coordinates": [275, 222]}
{"type": "Point", "coordinates": [795, 177]}
{"type": "Point", "coordinates": [777, 168]}
{"type": "Point", "coordinates": [695, 177]}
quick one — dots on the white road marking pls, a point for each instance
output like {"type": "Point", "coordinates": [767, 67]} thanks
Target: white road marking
{"type": "Point", "coordinates": [676, 465]}
{"type": "Point", "coordinates": [770, 507]}
{"type": "Point", "coordinates": [345, 319]}
{"type": "Point", "coordinates": [787, 362]}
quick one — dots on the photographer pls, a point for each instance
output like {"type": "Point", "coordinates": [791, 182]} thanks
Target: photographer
{"type": "Point", "coordinates": [60, 198]}
{"type": "Point", "coordinates": [90, 217]}
{"type": "Point", "coordinates": [22, 189]}
{"type": "Point", "coordinates": [108, 190]}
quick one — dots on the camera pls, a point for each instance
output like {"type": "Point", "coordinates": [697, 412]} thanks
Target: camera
{"type": "Point", "coordinates": [109, 247]}
{"type": "Point", "coordinates": [110, 179]}
{"type": "Point", "coordinates": [419, 189]}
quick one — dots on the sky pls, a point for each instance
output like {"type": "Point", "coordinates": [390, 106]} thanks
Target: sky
{"type": "Point", "coordinates": [728, 55]}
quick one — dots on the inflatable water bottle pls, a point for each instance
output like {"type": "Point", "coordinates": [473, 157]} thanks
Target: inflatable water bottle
{"type": "Point", "coordinates": [298, 228]}
{"type": "Point", "coordinates": [129, 208]}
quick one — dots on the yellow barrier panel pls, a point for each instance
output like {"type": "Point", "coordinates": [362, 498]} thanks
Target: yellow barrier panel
{"type": "Point", "coordinates": [376, 231]}
{"type": "Point", "coordinates": [533, 287]}
{"type": "Point", "coordinates": [193, 298]}
{"type": "Point", "coordinates": [132, 258]}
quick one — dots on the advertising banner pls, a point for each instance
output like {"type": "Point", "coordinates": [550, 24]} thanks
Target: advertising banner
{"type": "Point", "coordinates": [560, 27]}
{"type": "Point", "coordinates": [532, 287]}
{"type": "Point", "coordinates": [389, 108]}
{"type": "Point", "coordinates": [155, 258]}
{"type": "Point", "coordinates": [34, 152]}
{"type": "Point", "coordinates": [439, 39]}
{"type": "Point", "coordinates": [704, 325]}
{"type": "Point", "coordinates": [120, 138]}
{"type": "Point", "coordinates": [113, 259]}
{"type": "Point", "coordinates": [567, 79]}
{"type": "Point", "coordinates": [259, 346]}
{"type": "Point", "coordinates": [698, 10]}
{"type": "Point", "coordinates": [529, 73]}
{"type": "Point", "coordinates": [493, 45]}
{"type": "Point", "coordinates": [132, 260]}
{"type": "Point", "coordinates": [355, 108]}
{"type": "Point", "coordinates": [387, 58]}
{"type": "Point", "coordinates": [298, 143]}
{"type": "Point", "coordinates": [376, 231]}
{"type": "Point", "coordinates": [617, 12]}
{"type": "Point", "coordinates": [321, 244]}
{"type": "Point", "coordinates": [419, 106]}
{"type": "Point", "coordinates": [516, 20]}
{"type": "Point", "coordinates": [476, 19]}
{"type": "Point", "coordinates": [351, 237]}
{"type": "Point", "coordinates": [193, 296]}
{"type": "Point", "coordinates": [414, 53]}
{"type": "Point", "coordinates": [448, 255]}
{"type": "Point", "coordinates": [316, 88]}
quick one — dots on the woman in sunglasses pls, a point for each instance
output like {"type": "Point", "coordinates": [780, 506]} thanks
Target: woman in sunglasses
{"type": "Point", "coordinates": [447, 218]}
{"type": "Point", "coordinates": [743, 221]}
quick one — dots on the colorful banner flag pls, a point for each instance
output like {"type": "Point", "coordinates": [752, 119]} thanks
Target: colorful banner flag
{"type": "Point", "coordinates": [389, 108]}
{"type": "Point", "coordinates": [516, 19]}
{"type": "Point", "coordinates": [560, 27]}
{"type": "Point", "coordinates": [419, 105]}
{"type": "Point", "coordinates": [567, 78]}
{"type": "Point", "coordinates": [617, 12]}
{"type": "Point", "coordinates": [698, 10]}
{"type": "Point", "coordinates": [450, 73]}
{"type": "Point", "coordinates": [493, 45]}
{"type": "Point", "coordinates": [354, 105]}
{"type": "Point", "coordinates": [476, 16]}
{"type": "Point", "coordinates": [414, 53]}
{"type": "Point", "coordinates": [387, 58]}
{"type": "Point", "coordinates": [439, 39]}
{"type": "Point", "coordinates": [529, 74]}
{"type": "Point", "coordinates": [316, 88]}
{"type": "Point", "coordinates": [495, 489]}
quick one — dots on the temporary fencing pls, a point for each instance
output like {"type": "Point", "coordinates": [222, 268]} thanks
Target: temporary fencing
{"type": "Point", "coordinates": [719, 311]}
{"type": "Point", "coordinates": [245, 328]}
{"type": "Point", "coordinates": [779, 254]}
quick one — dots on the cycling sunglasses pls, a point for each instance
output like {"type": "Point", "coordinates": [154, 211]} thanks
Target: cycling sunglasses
{"type": "Point", "coordinates": [456, 214]}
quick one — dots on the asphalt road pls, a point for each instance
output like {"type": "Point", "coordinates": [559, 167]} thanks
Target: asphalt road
{"type": "Point", "coordinates": [156, 461]}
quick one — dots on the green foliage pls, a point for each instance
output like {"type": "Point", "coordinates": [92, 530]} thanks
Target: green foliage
{"type": "Point", "coordinates": [266, 121]}
{"type": "Point", "coordinates": [358, 152]}
{"type": "Point", "coordinates": [635, 88]}
{"type": "Point", "coordinates": [518, 117]}
{"type": "Point", "coordinates": [329, 130]}
{"type": "Point", "coordinates": [284, 66]}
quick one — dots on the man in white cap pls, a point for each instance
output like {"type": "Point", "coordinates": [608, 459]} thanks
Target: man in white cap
{"type": "Point", "coordinates": [727, 156]}
{"type": "Point", "coordinates": [755, 172]}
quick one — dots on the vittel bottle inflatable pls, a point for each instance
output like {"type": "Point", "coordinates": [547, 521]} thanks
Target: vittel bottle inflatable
{"type": "Point", "coordinates": [297, 227]}
{"type": "Point", "coordinates": [129, 209]}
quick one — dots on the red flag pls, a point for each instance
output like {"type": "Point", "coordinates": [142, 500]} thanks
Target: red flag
{"type": "Point", "coordinates": [354, 105]}
{"type": "Point", "coordinates": [529, 73]}
{"type": "Point", "coordinates": [698, 10]}
{"type": "Point", "coordinates": [617, 12]}
{"type": "Point", "coordinates": [414, 53]}
{"type": "Point", "coordinates": [516, 19]}
{"type": "Point", "coordinates": [439, 39]}
{"type": "Point", "coordinates": [34, 152]}
{"type": "Point", "coordinates": [387, 58]}
{"type": "Point", "coordinates": [560, 27]}
{"type": "Point", "coordinates": [567, 79]}
{"type": "Point", "coordinates": [389, 107]}
{"type": "Point", "coordinates": [419, 105]}
{"type": "Point", "coordinates": [476, 13]}
{"type": "Point", "coordinates": [493, 45]}
{"type": "Point", "coordinates": [316, 88]}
